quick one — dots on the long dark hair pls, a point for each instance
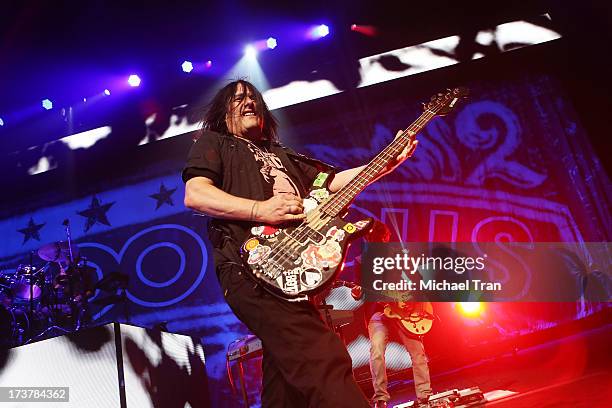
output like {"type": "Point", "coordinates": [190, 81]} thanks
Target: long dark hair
{"type": "Point", "coordinates": [214, 117]}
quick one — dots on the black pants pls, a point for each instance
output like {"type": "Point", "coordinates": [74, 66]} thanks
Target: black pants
{"type": "Point", "coordinates": [304, 363]}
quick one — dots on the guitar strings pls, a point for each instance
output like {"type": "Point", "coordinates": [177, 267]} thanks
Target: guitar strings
{"type": "Point", "coordinates": [388, 152]}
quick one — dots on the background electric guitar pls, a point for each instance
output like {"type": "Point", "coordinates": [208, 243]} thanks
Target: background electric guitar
{"type": "Point", "coordinates": [299, 261]}
{"type": "Point", "coordinates": [414, 317]}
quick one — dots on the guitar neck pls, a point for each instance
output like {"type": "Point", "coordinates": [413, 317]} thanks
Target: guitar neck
{"type": "Point", "coordinates": [372, 170]}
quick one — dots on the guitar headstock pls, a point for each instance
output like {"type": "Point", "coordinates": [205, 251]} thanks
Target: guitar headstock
{"type": "Point", "coordinates": [443, 103]}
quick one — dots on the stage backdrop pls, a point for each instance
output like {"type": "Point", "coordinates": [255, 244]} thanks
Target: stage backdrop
{"type": "Point", "coordinates": [513, 162]}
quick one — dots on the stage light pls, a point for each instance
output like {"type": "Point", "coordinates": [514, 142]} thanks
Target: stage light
{"type": "Point", "coordinates": [1, 122]}
{"type": "Point", "coordinates": [187, 66]}
{"type": "Point", "coordinates": [134, 80]}
{"type": "Point", "coordinates": [320, 31]}
{"type": "Point", "coordinates": [271, 43]}
{"type": "Point", "coordinates": [364, 29]}
{"type": "Point", "coordinates": [208, 64]}
{"type": "Point", "coordinates": [250, 51]}
{"type": "Point", "coordinates": [471, 309]}
{"type": "Point", "coordinates": [84, 99]}
{"type": "Point", "coordinates": [47, 104]}
{"type": "Point", "coordinates": [107, 92]}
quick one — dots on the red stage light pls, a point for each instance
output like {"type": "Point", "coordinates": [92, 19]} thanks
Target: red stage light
{"type": "Point", "coordinates": [368, 30]}
{"type": "Point", "coordinates": [471, 309]}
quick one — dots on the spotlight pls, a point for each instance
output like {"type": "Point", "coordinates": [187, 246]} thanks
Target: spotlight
{"type": "Point", "coordinates": [471, 309]}
{"type": "Point", "coordinates": [250, 51]}
{"type": "Point", "coordinates": [1, 122]}
{"type": "Point", "coordinates": [187, 66]}
{"type": "Point", "coordinates": [208, 64]}
{"type": "Point", "coordinates": [84, 99]}
{"type": "Point", "coordinates": [320, 31]}
{"type": "Point", "coordinates": [47, 104]}
{"type": "Point", "coordinates": [368, 30]}
{"type": "Point", "coordinates": [107, 92]}
{"type": "Point", "coordinates": [271, 43]}
{"type": "Point", "coordinates": [134, 80]}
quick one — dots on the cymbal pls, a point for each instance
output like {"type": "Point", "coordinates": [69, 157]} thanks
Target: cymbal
{"type": "Point", "coordinates": [58, 252]}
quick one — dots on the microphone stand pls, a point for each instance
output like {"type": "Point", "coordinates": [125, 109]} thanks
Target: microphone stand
{"type": "Point", "coordinates": [71, 283]}
{"type": "Point", "coordinates": [66, 223]}
{"type": "Point", "coordinates": [31, 284]}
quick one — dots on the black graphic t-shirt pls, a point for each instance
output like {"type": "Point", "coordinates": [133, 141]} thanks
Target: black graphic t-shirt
{"type": "Point", "coordinates": [274, 173]}
{"type": "Point", "coordinates": [243, 169]}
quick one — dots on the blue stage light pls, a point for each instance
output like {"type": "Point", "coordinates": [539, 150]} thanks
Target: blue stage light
{"type": "Point", "coordinates": [134, 80]}
{"type": "Point", "coordinates": [250, 51]}
{"type": "Point", "coordinates": [271, 43]}
{"type": "Point", "coordinates": [47, 104]}
{"type": "Point", "coordinates": [187, 66]}
{"type": "Point", "coordinates": [320, 31]}
{"type": "Point", "coordinates": [1, 122]}
{"type": "Point", "coordinates": [107, 92]}
{"type": "Point", "coordinates": [208, 64]}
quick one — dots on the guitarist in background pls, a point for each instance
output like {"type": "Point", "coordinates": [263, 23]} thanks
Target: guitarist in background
{"type": "Point", "coordinates": [239, 174]}
{"type": "Point", "coordinates": [380, 328]}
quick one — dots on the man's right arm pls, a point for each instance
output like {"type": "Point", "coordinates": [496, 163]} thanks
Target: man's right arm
{"type": "Point", "coordinates": [203, 196]}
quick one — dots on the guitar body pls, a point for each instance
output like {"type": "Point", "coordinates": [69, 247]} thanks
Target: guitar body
{"type": "Point", "coordinates": [300, 261]}
{"type": "Point", "coordinates": [415, 317]}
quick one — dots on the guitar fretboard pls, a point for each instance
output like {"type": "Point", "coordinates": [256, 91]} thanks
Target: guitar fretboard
{"type": "Point", "coordinates": [346, 195]}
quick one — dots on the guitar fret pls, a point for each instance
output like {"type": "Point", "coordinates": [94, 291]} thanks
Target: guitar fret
{"type": "Point", "coordinates": [342, 198]}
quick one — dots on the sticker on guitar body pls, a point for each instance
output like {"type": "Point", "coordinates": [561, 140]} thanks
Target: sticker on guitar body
{"type": "Point", "coordinates": [328, 255]}
{"type": "Point", "coordinates": [258, 254]}
{"type": "Point", "coordinates": [289, 283]}
{"type": "Point", "coordinates": [335, 233]}
{"type": "Point", "coordinates": [319, 194]}
{"type": "Point", "coordinates": [265, 231]}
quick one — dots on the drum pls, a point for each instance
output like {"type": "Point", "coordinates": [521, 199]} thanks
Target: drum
{"type": "Point", "coordinates": [25, 269]}
{"type": "Point", "coordinates": [14, 326]}
{"type": "Point", "coordinates": [6, 293]}
{"type": "Point", "coordinates": [6, 328]}
{"type": "Point", "coordinates": [27, 285]}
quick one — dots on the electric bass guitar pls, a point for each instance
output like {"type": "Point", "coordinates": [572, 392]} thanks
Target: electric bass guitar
{"type": "Point", "coordinates": [298, 261]}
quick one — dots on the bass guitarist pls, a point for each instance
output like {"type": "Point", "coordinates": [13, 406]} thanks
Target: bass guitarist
{"type": "Point", "coordinates": [239, 174]}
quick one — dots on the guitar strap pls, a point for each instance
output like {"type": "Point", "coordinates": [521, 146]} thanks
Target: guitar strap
{"type": "Point", "coordinates": [289, 158]}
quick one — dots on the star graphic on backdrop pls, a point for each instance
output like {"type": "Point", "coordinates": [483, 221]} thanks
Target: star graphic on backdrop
{"type": "Point", "coordinates": [164, 196]}
{"type": "Point", "coordinates": [31, 231]}
{"type": "Point", "coordinates": [95, 213]}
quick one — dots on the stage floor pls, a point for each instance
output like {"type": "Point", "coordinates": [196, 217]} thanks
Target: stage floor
{"type": "Point", "coordinates": [573, 371]}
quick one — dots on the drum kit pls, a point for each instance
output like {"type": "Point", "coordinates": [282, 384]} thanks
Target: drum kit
{"type": "Point", "coordinates": [41, 301]}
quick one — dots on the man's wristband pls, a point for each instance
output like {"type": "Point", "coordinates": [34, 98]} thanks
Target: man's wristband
{"type": "Point", "coordinates": [251, 217]}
